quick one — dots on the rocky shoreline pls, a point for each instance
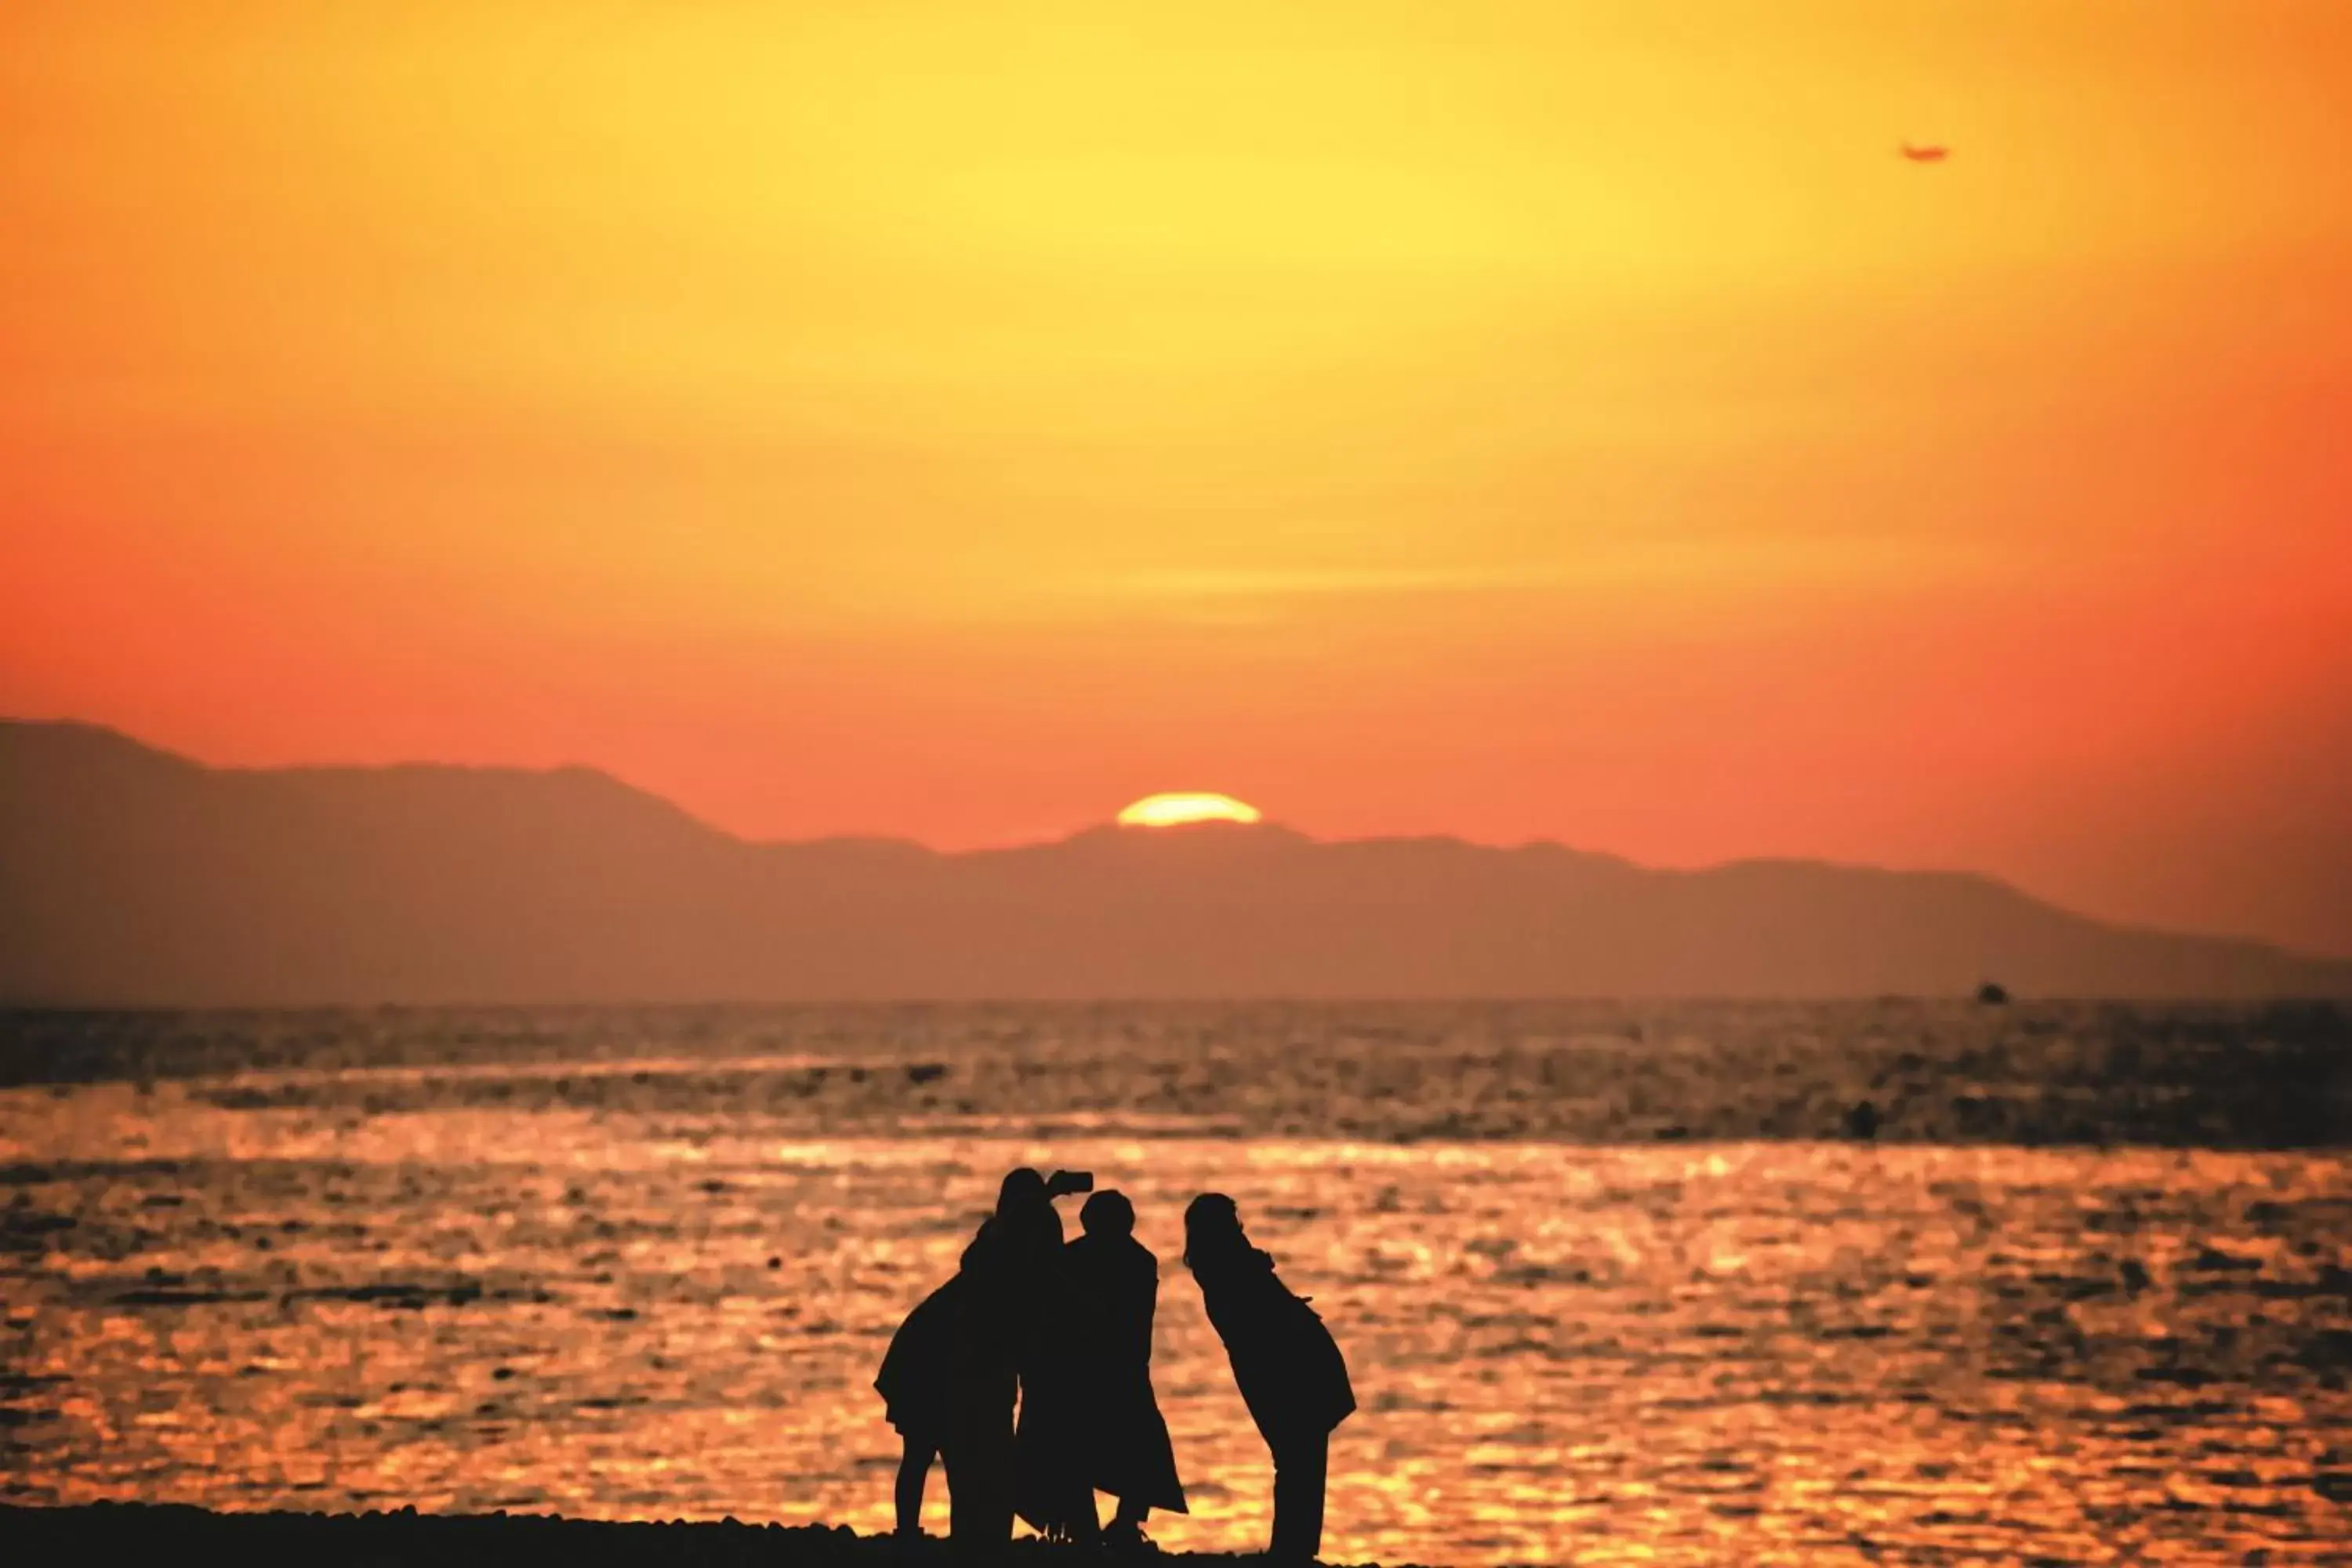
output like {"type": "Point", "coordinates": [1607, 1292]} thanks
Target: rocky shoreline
{"type": "Point", "coordinates": [124, 1532]}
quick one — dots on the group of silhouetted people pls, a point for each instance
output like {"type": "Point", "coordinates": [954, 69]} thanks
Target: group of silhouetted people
{"type": "Point", "coordinates": [1061, 1333]}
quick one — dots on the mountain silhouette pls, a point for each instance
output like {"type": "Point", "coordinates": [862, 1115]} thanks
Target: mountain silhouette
{"type": "Point", "coordinates": [129, 875]}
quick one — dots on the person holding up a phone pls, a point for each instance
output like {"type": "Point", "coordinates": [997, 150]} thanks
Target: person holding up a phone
{"type": "Point", "coordinates": [993, 1336]}
{"type": "Point", "coordinates": [1051, 1490]}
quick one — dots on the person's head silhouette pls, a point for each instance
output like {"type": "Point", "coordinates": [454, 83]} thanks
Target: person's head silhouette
{"type": "Point", "coordinates": [1212, 1230]}
{"type": "Point", "coordinates": [1020, 1189]}
{"type": "Point", "coordinates": [1108, 1214]}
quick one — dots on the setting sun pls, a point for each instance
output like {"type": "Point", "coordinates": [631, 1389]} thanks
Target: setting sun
{"type": "Point", "coordinates": [1179, 810]}
{"type": "Point", "coordinates": [578, 579]}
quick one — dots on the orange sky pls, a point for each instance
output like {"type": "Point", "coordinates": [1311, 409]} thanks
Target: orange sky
{"type": "Point", "coordinates": [1564, 419]}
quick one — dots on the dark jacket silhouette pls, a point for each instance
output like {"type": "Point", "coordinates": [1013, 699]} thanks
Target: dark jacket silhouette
{"type": "Point", "coordinates": [1050, 1486]}
{"type": "Point", "coordinates": [1289, 1368]}
{"type": "Point", "coordinates": [918, 1387]}
{"type": "Point", "coordinates": [919, 1366]}
{"type": "Point", "coordinates": [995, 1289]}
{"type": "Point", "coordinates": [1113, 1283]}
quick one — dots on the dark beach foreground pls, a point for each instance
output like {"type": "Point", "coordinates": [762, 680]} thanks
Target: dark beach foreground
{"type": "Point", "coordinates": [127, 1532]}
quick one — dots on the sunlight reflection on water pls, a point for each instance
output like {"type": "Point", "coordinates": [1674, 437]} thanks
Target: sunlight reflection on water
{"type": "Point", "coordinates": [1684, 1351]}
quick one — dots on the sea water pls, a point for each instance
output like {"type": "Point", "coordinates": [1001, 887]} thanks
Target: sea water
{"type": "Point", "coordinates": [1616, 1283]}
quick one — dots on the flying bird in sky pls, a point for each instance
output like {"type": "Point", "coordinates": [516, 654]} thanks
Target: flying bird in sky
{"type": "Point", "coordinates": [1925, 154]}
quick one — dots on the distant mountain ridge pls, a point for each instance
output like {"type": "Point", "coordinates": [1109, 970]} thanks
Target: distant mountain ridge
{"type": "Point", "coordinates": [129, 876]}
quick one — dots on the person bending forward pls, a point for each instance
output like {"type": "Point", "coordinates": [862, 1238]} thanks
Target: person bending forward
{"type": "Point", "coordinates": [1289, 1368]}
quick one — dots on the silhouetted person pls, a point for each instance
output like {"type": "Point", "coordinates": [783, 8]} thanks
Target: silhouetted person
{"type": "Point", "coordinates": [1051, 1488]}
{"type": "Point", "coordinates": [916, 1384]}
{"type": "Point", "coordinates": [1009, 1341]}
{"type": "Point", "coordinates": [1114, 1282]}
{"type": "Point", "coordinates": [991, 1315]}
{"type": "Point", "coordinates": [1861, 1121]}
{"type": "Point", "coordinates": [1291, 1374]}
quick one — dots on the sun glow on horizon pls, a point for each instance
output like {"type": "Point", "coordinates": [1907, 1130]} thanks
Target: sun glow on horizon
{"type": "Point", "coordinates": [1183, 809]}
{"type": "Point", "coordinates": [1529, 419]}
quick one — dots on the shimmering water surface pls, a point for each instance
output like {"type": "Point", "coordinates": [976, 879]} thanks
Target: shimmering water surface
{"type": "Point", "coordinates": [1613, 1284]}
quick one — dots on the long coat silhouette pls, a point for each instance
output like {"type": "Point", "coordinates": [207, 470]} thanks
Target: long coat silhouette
{"type": "Point", "coordinates": [1114, 1282]}
{"type": "Point", "coordinates": [1289, 1368]}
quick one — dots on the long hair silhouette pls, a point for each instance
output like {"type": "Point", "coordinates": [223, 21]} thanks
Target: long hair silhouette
{"type": "Point", "coordinates": [1287, 1365]}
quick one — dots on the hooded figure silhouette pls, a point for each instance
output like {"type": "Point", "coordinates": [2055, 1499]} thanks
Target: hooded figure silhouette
{"type": "Point", "coordinates": [1114, 1282]}
{"type": "Point", "coordinates": [1289, 1368]}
